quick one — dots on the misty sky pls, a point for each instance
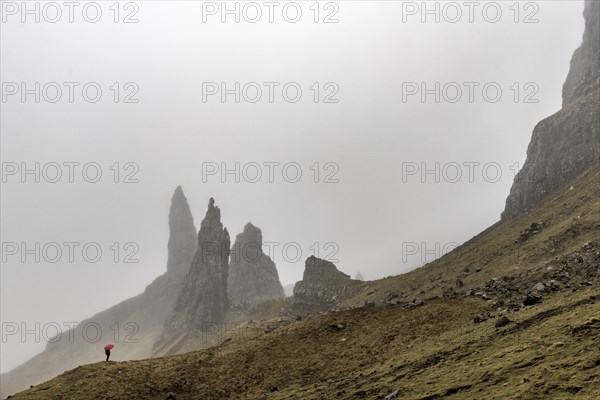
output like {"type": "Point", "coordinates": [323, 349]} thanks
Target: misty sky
{"type": "Point", "coordinates": [370, 217]}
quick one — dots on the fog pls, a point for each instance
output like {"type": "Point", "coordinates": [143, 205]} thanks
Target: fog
{"type": "Point", "coordinates": [361, 199]}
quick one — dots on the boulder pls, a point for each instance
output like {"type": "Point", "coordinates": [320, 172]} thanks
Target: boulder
{"type": "Point", "coordinates": [539, 287]}
{"type": "Point", "coordinates": [532, 298]}
{"type": "Point", "coordinates": [502, 321]}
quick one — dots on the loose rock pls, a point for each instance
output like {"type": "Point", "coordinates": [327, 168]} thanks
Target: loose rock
{"type": "Point", "coordinates": [502, 321]}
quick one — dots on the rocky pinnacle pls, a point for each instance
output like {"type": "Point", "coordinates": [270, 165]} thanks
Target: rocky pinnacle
{"type": "Point", "coordinates": [253, 277]}
{"type": "Point", "coordinates": [182, 233]}
{"type": "Point", "coordinates": [203, 298]}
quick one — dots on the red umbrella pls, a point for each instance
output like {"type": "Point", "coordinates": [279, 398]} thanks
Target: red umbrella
{"type": "Point", "coordinates": [109, 346]}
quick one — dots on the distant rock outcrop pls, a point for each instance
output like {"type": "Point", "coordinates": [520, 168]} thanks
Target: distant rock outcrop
{"type": "Point", "coordinates": [203, 299]}
{"type": "Point", "coordinates": [323, 285]}
{"type": "Point", "coordinates": [359, 277]}
{"type": "Point", "coordinates": [142, 316]}
{"type": "Point", "coordinates": [253, 277]}
{"type": "Point", "coordinates": [567, 143]}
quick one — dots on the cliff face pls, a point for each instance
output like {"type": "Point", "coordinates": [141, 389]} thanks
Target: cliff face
{"type": "Point", "coordinates": [203, 298]}
{"type": "Point", "coordinates": [568, 142]}
{"type": "Point", "coordinates": [142, 316]}
{"type": "Point", "coordinates": [584, 74]}
{"type": "Point", "coordinates": [253, 277]}
{"type": "Point", "coordinates": [323, 285]}
{"type": "Point", "coordinates": [562, 146]}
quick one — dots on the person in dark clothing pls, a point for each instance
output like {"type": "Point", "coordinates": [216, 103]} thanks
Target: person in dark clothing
{"type": "Point", "coordinates": [107, 352]}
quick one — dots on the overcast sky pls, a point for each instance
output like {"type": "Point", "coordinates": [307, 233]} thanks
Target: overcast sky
{"type": "Point", "coordinates": [374, 219]}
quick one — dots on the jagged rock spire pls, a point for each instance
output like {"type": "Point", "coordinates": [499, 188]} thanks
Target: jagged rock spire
{"type": "Point", "coordinates": [253, 276]}
{"type": "Point", "coordinates": [203, 299]}
{"type": "Point", "coordinates": [182, 233]}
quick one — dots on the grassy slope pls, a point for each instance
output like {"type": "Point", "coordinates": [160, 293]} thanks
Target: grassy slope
{"type": "Point", "coordinates": [495, 251]}
{"type": "Point", "coordinates": [550, 350]}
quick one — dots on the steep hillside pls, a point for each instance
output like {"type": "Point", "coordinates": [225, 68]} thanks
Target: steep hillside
{"type": "Point", "coordinates": [512, 313]}
{"type": "Point", "coordinates": [569, 218]}
{"type": "Point", "coordinates": [452, 346]}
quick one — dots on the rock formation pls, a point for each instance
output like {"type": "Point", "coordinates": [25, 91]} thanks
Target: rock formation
{"type": "Point", "coordinates": [584, 73]}
{"type": "Point", "coordinates": [182, 234]}
{"type": "Point", "coordinates": [323, 285]}
{"type": "Point", "coordinates": [567, 143]}
{"type": "Point", "coordinates": [253, 277]}
{"type": "Point", "coordinates": [143, 316]}
{"type": "Point", "coordinates": [359, 277]}
{"type": "Point", "coordinates": [203, 298]}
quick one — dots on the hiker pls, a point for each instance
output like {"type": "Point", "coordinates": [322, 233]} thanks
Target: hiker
{"type": "Point", "coordinates": [107, 349]}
